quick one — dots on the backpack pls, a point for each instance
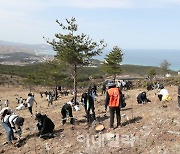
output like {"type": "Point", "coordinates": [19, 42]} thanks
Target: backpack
{"type": "Point", "coordinates": [123, 104]}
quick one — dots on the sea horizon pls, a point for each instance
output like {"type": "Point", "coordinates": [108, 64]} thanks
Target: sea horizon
{"type": "Point", "coordinates": [149, 57]}
{"type": "Point", "coordinates": [144, 57]}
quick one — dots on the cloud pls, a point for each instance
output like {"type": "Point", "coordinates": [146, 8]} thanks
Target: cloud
{"type": "Point", "coordinates": [40, 4]}
{"type": "Point", "coordinates": [43, 4]}
{"type": "Point", "coordinates": [20, 16]}
{"type": "Point", "coordinates": [99, 3]}
{"type": "Point", "coordinates": [120, 3]}
{"type": "Point", "coordinates": [22, 4]}
{"type": "Point", "coordinates": [171, 1]}
{"type": "Point", "coordinates": [11, 16]}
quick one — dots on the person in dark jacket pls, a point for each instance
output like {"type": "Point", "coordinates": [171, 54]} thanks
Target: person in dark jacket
{"type": "Point", "coordinates": [94, 89]}
{"type": "Point", "coordinates": [103, 89]}
{"type": "Point", "coordinates": [66, 112]}
{"type": "Point", "coordinates": [123, 103]}
{"type": "Point", "coordinates": [87, 99]}
{"type": "Point", "coordinates": [179, 97]}
{"type": "Point", "coordinates": [142, 98]}
{"type": "Point", "coordinates": [150, 87]}
{"type": "Point", "coordinates": [114, 100]}
{"type": "Point", "coordinates": [45, 125]}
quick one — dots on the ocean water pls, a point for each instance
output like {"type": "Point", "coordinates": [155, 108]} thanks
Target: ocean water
{"type": "Point", "coordinates": [149, 57]}
{"type": "Point", "coordinates": [145, 57]}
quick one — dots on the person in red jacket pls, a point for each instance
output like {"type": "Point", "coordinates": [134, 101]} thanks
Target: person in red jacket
{"type": "Point", "coordinates": [113, 100]}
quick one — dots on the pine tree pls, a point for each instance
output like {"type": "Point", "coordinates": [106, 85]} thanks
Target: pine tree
{"type": "Point", "coordinates": [152, 73]}
{"type": "Point", "coordinates": [165, 66]}
{"type": "Point", "coordinates": [74, 49]}
{"type": "Point", "coordinates": [112, 62]}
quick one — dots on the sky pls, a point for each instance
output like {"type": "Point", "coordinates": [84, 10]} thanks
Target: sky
{"type": "Point", "coordinates": [128, 24]}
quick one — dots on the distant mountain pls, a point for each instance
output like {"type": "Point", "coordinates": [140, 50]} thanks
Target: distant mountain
{"type": "Point", "coordinates": [21, 54]}
{"type": "Point", "coordinates": [96, 62]}
{"type": "Point", "coordinates": [7, 49]}
{"type": "Point", "coordinates": [27, 46]}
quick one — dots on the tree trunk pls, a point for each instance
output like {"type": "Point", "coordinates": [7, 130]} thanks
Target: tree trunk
{"type": "Point", "coordinates": [30, 88]}
{"type": "Point", "coordinates": [75, 84]}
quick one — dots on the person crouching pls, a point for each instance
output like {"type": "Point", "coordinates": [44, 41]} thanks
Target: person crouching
{"type": "Point", "coordinates": [164, 96]}
{"type": "Point", "coordinates": [44, 125]}
{"type": "Point", "coordinates": [142, 98]}
{"type": "Point", "coordinates": [12, 124]}
{"type": "Point", "coordinates": [66, 112]}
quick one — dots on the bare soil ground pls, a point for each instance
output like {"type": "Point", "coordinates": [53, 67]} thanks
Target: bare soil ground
{"type": "Point", "coordinates": [147, 128]}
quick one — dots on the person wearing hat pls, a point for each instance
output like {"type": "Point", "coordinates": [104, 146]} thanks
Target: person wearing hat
{"type": "Point", "coordinates": [45, 125]}
{"type": "Point", "coordinates": [113, 100]}
{"type": "Point", "coordinates": [30, 101]}
{"type": "Point", "coordinates": [12, 123]}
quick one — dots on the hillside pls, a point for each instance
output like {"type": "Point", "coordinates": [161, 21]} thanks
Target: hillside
{"type": "Point", "coordinates": [45, 73]}
{"type": "Point", "coordinates": [147, 129]}
{"type": "Point", "coordinates": [34, 68]}
{"type": "Point", "coordinates": [25, 46]}
{"type": "Point", "coordinates": [22, 54]}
